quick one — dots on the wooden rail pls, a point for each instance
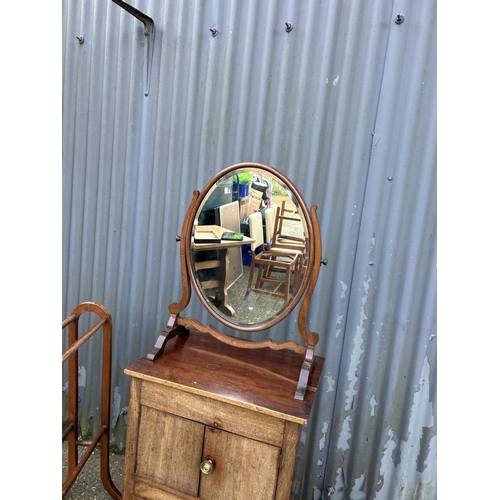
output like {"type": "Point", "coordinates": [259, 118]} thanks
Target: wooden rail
{"type": "Point", "coordinates": [70, 433]}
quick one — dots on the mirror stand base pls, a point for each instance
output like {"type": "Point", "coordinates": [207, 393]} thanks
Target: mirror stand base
{"type": "Point", "coordinates": [304, 373]}
{"type": "Point", "coordinates": [165, 336]}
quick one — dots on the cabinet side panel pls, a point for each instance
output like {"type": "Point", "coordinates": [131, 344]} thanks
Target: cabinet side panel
{"type": "Point", "coordinates": [244, 469]}
{"type": "Point", "coordinates": [214, 413]}
{"type": "Point", "coordinates": [169, 450]}
{"type": "Point", "coordinates": [132, 433]}
{"type": "Point", "coordinates": [288, 455]}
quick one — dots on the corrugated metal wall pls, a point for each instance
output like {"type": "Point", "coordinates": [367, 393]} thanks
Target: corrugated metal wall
{"type": "Point", "coordinates": [345, 106]}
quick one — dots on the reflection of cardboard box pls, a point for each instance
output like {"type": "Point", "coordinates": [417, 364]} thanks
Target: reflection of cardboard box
{"type": "Point", "coordinates": [256, 200]}
{"type": "Point", "coordinates": [245, 203]}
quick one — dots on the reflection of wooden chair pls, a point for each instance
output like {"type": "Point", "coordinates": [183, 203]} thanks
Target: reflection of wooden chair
{"type": "Point", "coordinates": [272, 264]}
{"type": "Point", "coordinates": [280, 239]}
{"type": "Point", "coordinates": [282, 236]}
{"type": "Point", "coordinates": [270, 218]}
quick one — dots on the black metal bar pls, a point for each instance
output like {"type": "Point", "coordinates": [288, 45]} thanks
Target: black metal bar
{"type": "Point", "coordinates": [149, 33]}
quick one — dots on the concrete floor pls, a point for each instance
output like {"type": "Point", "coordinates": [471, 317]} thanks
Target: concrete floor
{"type": "Point", "coordinates": [88, 485]}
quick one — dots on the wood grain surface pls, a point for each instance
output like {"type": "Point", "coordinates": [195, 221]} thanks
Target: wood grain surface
{"type": "Point", "coordinates": [261, 380]}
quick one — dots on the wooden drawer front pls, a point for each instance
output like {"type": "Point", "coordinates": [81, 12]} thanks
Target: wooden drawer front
{"type": "Point", "coordinates": [214, 413]}
{"type": "Point", "coordinates": [169, 450]}
{"type": "Point", "coordinates": [150, 491]}
{"type": "Point", "coordinates": [244, 469]}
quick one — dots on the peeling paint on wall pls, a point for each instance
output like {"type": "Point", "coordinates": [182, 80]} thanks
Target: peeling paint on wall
{"type": "Point", "coordinates": [331, 383]}
{"type": "Point", "coordinates": [344, 289]}
{"type": "Point", "coordinates": [337, 492]}
{"type": "Point", "coordinates": [345, 435]}
{"type": "Point", "coordinates": [303, 436]}
{"type": "Point", "coordinates": [338, 330]}
{"type": "Point", "coordinates": [317, 494]}
{"type": "Point", "coordinates": [115, 407]}
{"type": "Point", "coordinates": [357, 490]}
{"type": "Point", "coordinates": [82, 377]}
{"type": "Point", "coordinates": [82, 382]}
{"type": "Point", "coordinates": [429, 470]}
{"type": "Point", "coordinates": [322, 441]}
{"type": "Point", "coordinates": [386, 462]}
{"type": "Point", "coordinates": [412, 450]}
{"type": "Point", "coordinates": [357, 351]}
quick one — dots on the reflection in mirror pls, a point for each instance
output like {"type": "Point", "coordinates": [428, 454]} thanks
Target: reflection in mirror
{"type": "Point", "coordinates": [249, 247]}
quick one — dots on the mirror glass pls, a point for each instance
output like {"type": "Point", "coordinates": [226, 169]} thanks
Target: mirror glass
{"type": "Point", "coordinates": [249, 247]}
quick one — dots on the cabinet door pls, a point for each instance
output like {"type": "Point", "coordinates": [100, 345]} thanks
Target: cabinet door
{"type": "Point", "coordinates": [169, 450]}
{"type": "Point", "coordinates": [244, 469]}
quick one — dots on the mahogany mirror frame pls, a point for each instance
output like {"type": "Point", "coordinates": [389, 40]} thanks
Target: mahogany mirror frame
{"type": "Point", "coordinates": [178, 325]}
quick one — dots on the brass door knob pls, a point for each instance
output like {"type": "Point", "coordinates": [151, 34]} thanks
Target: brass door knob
{"type": "Point", "coordinates": [207, 466]}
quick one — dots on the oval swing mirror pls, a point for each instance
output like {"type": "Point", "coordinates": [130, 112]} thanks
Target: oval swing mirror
{"type": "Point", "coordinates": [251, 247]}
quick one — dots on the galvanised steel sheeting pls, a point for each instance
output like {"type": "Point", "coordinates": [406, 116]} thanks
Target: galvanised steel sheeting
{"type": "Point", "coordinates": [344, 104]}
{"type": "Point", "coordinates": [380, 441]}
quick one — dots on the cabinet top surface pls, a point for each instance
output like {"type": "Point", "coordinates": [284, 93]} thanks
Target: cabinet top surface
{"type": "Point", "coordinates": [263, 380]}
